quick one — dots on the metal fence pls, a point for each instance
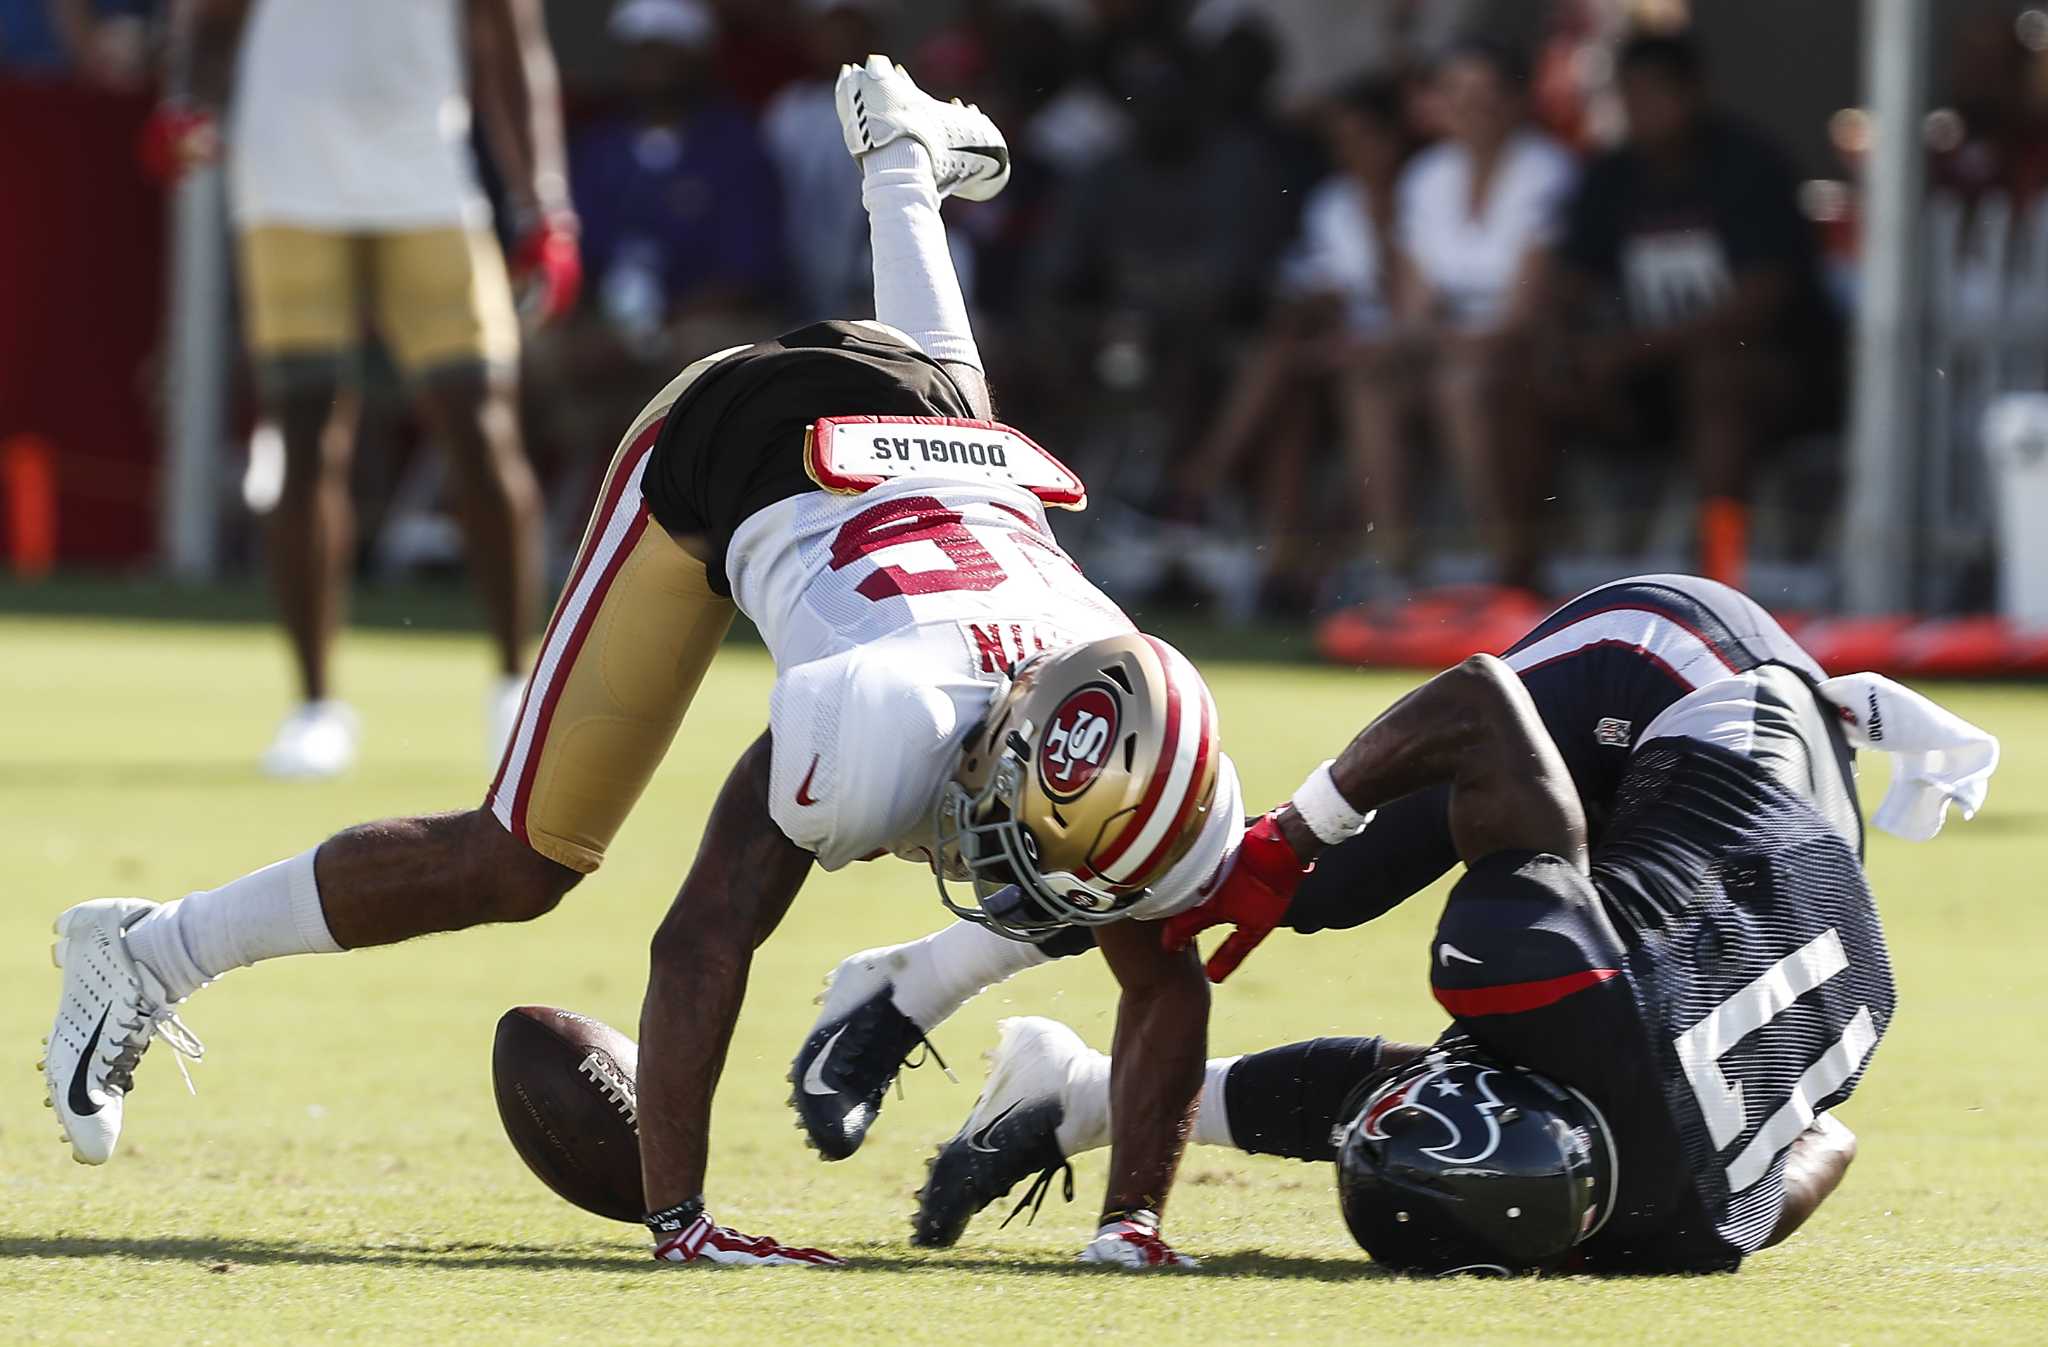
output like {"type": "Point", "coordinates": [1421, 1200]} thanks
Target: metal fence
{"type": "Point", "coordinates": [1986, 333]}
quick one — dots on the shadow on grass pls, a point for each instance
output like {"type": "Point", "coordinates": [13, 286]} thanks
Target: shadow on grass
{"type": "Point", "coordinates": [232, 1252]}
{"type": "Point", "coordinates": [227, 1254]}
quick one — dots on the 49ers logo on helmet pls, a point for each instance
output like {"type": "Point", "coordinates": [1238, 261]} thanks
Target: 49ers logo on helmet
{"type": "Point", "coordinates": [1077, 741]}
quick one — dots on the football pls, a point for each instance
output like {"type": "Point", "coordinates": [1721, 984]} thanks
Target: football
{"type": "Point", "coordinates": [565, 1094]}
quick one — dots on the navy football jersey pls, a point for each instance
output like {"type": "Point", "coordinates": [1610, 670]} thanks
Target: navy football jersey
{"type": "Point", "coordinates": [1718, 979]}
{"type": "Point", "coordinates": [1600, 669]}
{"type": "Point", "coordinates": [1759, 968]}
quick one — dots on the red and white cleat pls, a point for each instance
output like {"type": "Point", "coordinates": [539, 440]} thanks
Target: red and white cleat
{"type": "Point", "coordinates": [1135, 1245]}
{"type": "Point", "coordinates": [704, 1242]}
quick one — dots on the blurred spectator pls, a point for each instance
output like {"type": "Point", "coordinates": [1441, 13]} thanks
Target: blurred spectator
{"type": "Point", "coordinates": [1330, 322]}
{"type": "Point", "coordinates": [682, 232]}
{"type": "Point", "coordinates": [1321, 46]}
{"type": "Point", "coordinates": [1688, 239]}
{"type": "Point", "coordinates": [826, 227]}
{"type": "Point", "coordinates": [355, 202]}
{"type": "Point", "coordinates": [1156, 254]}
{"type": "Point", "coordinates": [760, 48]}
{"type": "Point", "coordinates": [1474, 216]}
{"type": "Point", "coordinates": [1994, 134]}
{"type": "Point", "coordinates": [680, 208]}
{"type": "Point", "coordinates": [104, 41]}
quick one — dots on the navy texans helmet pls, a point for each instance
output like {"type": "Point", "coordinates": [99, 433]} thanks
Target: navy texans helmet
{"type": "Point", "coordinates": [1459, 1164]}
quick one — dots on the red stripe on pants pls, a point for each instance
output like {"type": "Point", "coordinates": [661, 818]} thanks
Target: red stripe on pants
{"type": "Point", "coordinates": [1512, 998]}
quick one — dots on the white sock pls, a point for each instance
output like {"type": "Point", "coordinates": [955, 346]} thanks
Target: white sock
{"type": "Point", "coordinates": [1212, 1119]}
{"type": "Point", "coordinates": [916, 289]}
{"type": "Point", "coordinates": [947, 968]}
{"type": "Point", "coordinates": [1084, 1104]}
{"type": "Point", "coordinates": [273, 912]}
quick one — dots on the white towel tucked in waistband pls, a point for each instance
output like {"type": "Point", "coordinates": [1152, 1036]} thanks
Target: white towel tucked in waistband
{"type": "Point", "coordinates": [1937, 756]}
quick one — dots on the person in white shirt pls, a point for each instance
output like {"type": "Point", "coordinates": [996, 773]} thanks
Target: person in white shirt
{"type": "Point", "coordinates": [1475, 214]}
{"type": "Point", "coordinates": [356, 206]}
{"type": "Point", "coordinates": [1331, 320]}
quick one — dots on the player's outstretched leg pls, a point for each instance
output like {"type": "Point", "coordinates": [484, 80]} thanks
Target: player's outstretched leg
{"type": "Point", "coordinates": [129, 963]}
{"type": "Point", "coordinates": [1047, 1100]}
{"type": "Point", "coordinates": [881, 1003]}
{"type": "Point", "coordinates": [879, 105]}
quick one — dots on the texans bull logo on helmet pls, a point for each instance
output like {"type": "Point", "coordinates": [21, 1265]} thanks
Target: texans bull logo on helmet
{"type": "Point", "coordinates": [1078, 740]}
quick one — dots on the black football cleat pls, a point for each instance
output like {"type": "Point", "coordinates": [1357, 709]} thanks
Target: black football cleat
{"type": "Point", "coordinates": [851, 1056]}
{"type": "Point", "coordinates": [1011, 1135]}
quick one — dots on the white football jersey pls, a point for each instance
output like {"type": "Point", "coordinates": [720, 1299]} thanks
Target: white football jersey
{"type": "Point", "coordinates": [893, 617]}
{"type": "Point", "coordinates": [354, 115]}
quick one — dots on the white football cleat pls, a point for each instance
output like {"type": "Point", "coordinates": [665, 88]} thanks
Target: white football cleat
{"type": "Point", "coordinates": [1014, 1129]}
{"type": "Point", "coordinates": [110, 1009]}
{"type": "Point", "coordinates": [841, 1074]}
{"type": "Point", "coordinates": [317, 740]}
{"type": "Point", "coordinates": [501, 714]}
{"type": "Point", "coordinates": [879, 103]}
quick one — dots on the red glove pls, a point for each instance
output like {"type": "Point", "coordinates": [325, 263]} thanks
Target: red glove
{"type": "Point", "coordinates": [176, 139]}
{"type": "Point", "coordinates": [547, 268]}
{"type": "Point", "coordinates": [702, 1241]}
{"type": "Point", "coordinates": [1253, 897]}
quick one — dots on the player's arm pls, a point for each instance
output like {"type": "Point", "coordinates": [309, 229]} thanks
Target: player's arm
{"type": "Point", "coordinates": [1813, 1169]}
{"type": "Point", "coordinates": [206, 36]}
{"type": "Point", "coordinates": [740, 885]}
{"type": "Point", "coordinates": [1155, 1081]}
{"type": "Point", "coordinates": [1472, 728]}
{"type": "Point", "coordinates": [518, 100]}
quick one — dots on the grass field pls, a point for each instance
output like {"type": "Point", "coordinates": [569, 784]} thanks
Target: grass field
{"type": "Point", "coordinates": [340, 1175]}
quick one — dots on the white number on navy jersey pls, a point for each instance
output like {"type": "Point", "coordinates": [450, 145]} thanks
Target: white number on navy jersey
{"type": "Point", "coordinates": [1723, 1103]}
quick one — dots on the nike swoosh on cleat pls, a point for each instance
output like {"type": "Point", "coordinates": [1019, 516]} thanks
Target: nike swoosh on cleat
{"type": "Point", "coordinates": [80, 1099]}
{"type": "Point", "coordinates": [975, 1142]}
{"type": "Point", "coordinates": [804, 798]}
{"type": "Point", "coordinates": [814, 1074]}
{"type": "Point", "coordinates": [1446, 952]}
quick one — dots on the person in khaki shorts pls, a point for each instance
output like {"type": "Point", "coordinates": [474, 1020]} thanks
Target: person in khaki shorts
{"type": "Point", "coordinates": [356, 210]}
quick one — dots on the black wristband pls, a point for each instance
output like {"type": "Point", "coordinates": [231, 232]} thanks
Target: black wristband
{"type": "Point", "coordinates": [674, 1220]}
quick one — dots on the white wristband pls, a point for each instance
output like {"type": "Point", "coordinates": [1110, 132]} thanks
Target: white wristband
{"type": "Point", "coordinates": [1325, 810]}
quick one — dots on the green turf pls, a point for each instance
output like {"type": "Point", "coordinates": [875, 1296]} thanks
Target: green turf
{"type": "Point", "coordinates": [341, 1176]}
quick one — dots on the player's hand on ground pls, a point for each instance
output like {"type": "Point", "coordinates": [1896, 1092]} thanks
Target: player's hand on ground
{"type": "Point", "coordinates": [547, 268]}
{"type": "Point", "coordinates": [1135, 1246]}
{"type": "Point", "coordinates": [1253, 897]}
{"type": "Point", "coordinates": [705, 1242]}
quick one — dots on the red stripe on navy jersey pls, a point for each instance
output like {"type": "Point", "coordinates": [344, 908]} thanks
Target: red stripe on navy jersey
{"type": "Point", "coordinates": [1631, 647]}
{"type": "Point", "coordinates": [1736, 660]}
{"type": "Point", "coordinates": [1512, 998]}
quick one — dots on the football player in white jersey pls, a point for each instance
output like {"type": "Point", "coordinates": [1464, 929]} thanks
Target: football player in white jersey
{"type": "Point", "coordinates": [949, 687]}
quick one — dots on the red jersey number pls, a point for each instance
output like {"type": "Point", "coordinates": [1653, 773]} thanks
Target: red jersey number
{"type": "Point", "coordinates": [913, 519]}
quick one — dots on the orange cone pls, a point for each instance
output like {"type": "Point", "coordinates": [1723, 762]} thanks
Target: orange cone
{"type": "Point", "coordinates": [1724, 540]}
{"type": "Point", "coordinates": [28, 480]}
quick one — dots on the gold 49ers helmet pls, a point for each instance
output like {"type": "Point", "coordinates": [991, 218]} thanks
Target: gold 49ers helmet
{"type": "Point", "coordinates": [1094, 773]}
